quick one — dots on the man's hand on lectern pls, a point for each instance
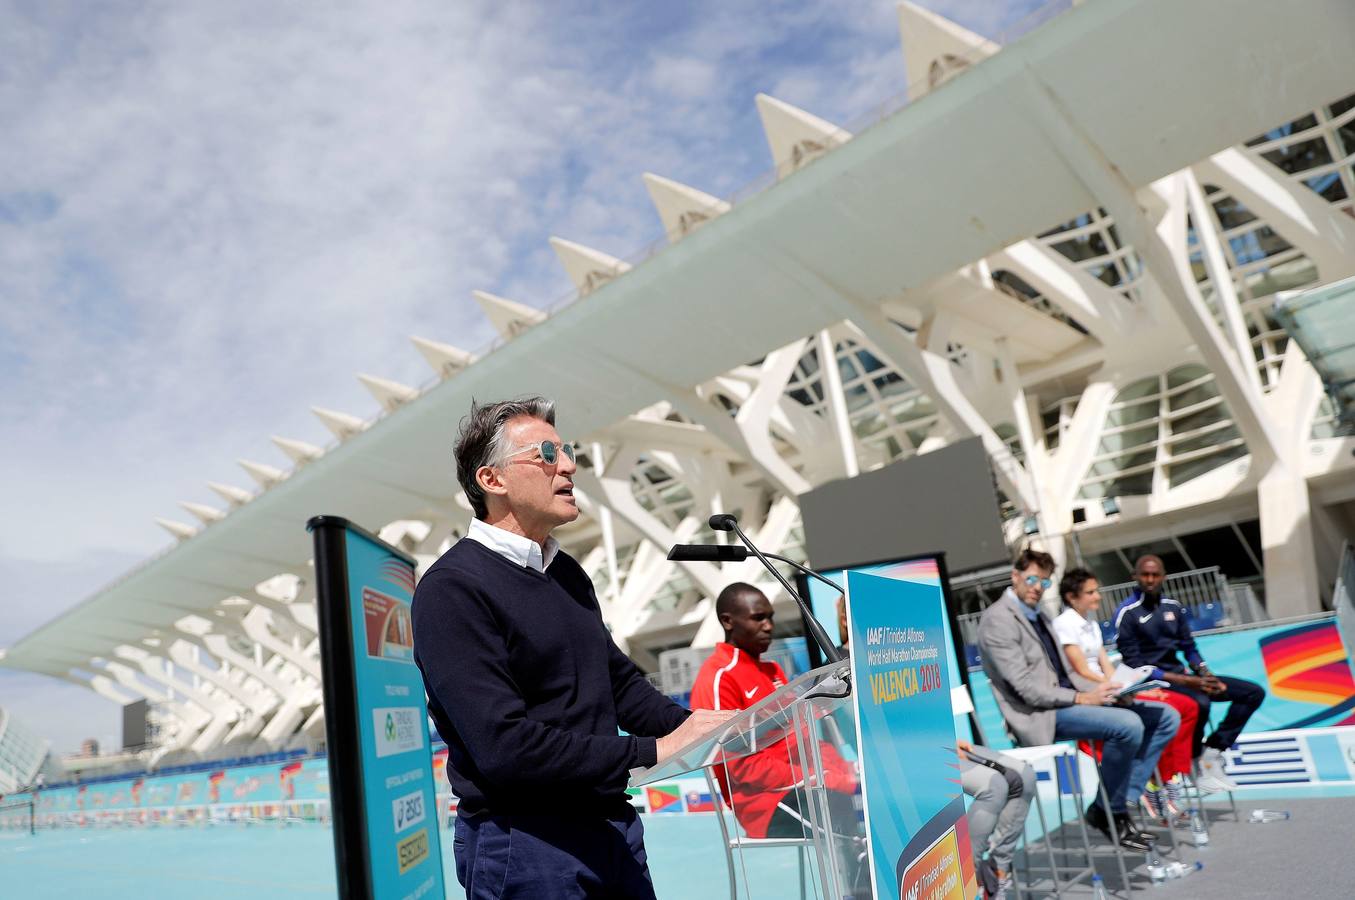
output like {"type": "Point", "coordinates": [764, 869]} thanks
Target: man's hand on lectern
{"type": "Point", "coordinates": [700, 723]}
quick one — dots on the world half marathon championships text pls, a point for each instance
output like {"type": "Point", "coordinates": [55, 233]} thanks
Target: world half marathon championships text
{"type": "Point", "coordinates": [901, 645]}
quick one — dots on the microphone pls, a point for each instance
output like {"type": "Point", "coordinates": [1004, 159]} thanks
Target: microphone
{"type": "Point", "coordinates": [707, 553]}
{"type": "Point", "coordinates": [728, 522]}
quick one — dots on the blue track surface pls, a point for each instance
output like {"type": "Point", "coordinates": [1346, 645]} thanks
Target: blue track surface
{"type": "Point", "coordinates": [268, 862]}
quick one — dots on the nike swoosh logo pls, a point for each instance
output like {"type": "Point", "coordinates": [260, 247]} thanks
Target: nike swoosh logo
{"type": "Point", "coordinates": [748, 695]}
{"type": "Point", "coordinates": [1143, 619]}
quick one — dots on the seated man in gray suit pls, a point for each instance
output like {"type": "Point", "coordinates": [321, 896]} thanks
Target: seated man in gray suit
{"type": "Point", "coordinates": [1041, 704]}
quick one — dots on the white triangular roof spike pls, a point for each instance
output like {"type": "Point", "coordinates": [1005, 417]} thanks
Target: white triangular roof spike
{"type": "Point", "coordinates": [341, 424]}
{"type": "Point", "coordinates": [298, 451]}
{"type": "Point", "coordinates": [795, 136]}
{"type": "Point", "coordinates": [682, 209]}
{"type": "Point", "coordinates": [202, 512]}
{"type": "Point", "coordinates": [589, 269]}
{"type": "Point", "coordinates": [230, 493]}
{"type": "Point", "coordinates": [390, 394]}
{"type": "Point", "coordinates": [180, 530]}
{"type": "Point", "coordinates": [509, 317]}
{"type": "Point", "coordinates": [445, 359]}
{"type": "Point", "coordinates": [264, 474]}
{"type": "Point", "coordinates": [935, 48]}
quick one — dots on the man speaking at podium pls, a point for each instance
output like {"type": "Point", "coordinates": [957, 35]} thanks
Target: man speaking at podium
{"type": "Point", "coordinates": [761, 789]}
{"type": "Point", "coordinates": [526, 685]}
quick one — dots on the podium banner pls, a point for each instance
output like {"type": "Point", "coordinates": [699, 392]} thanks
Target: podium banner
{"type": "Point", "coordinates": [916, 831]}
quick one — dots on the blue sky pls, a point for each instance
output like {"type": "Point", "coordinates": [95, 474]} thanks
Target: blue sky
{"type": "Point", "coordinates": [213, 215]}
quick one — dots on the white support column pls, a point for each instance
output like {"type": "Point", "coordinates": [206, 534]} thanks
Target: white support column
{"type": "Point", "coordinates": [219, 646]}
{"type": "Point", "coordinates": [837, 403]}
{"type": "Point", "coordinates": [256, 624]}
{"type": "Point", "coordinates": [1165, 257]}
{"type": "Point", "coordinates": [1034, 452]}
{"type": "Point", "coordinates": [1069, 463]}
{"type": "Point", "coordinates": [259, 703]}
{"type": "Point", "coordinates": [1290, 525]}
{"type": "Point", "coordinates": [1216, 265]}
{"type": "Point", "coordinates": [1288, 549]}
{"type": "Point", "coordinates": [755, 415]}
{"type": "Point", "coordinates": [608, 529]}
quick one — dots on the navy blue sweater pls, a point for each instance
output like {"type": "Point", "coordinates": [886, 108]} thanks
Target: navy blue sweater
{"type": "Point", "coordinates": [1152, 633]}
{"type": "Point", "coordinates": [527, 687]}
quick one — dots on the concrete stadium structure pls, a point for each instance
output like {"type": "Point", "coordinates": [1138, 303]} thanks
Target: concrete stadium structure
{"type": "Point", "coordinates": [1065, 244]}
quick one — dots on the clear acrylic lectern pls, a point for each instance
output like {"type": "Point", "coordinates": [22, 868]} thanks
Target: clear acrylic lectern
{"type": "Point", "coordinates": [783, 774]}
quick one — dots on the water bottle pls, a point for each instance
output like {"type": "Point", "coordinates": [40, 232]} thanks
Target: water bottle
{"type": "Point", "coordinates": [1266, 816]}
{"type": "Point", "coordinates": [1198, 833]}
{"type": "Point", "coordinates": [1181, 870]}
{"type": "Point", "coordinates": [1157, 873]}
{"type": "Point", "coordinates": [1099, 889]}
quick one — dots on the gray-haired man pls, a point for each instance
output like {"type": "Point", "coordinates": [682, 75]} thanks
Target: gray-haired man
{"type": "Point", "coordinates": [526, 685]}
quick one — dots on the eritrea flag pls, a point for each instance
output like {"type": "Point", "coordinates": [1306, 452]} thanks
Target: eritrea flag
{"type": "Point", "coordinates": [664, 798]}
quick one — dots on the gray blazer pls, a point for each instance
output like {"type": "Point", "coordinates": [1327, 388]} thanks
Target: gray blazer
{"type": "Point", "coordinates": [1024, 683]}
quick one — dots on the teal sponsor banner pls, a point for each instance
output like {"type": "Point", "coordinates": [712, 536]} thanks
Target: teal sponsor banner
{"type": "Point", "coordinates": [916, 829]}
{"type": "Point", "coordinates": [399, 794]}
{"type": "Point", "coordinates": [384, 796]}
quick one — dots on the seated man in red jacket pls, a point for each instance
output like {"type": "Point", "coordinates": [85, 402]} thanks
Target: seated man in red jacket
{"type": "Point", "coordinates": [762, 788]}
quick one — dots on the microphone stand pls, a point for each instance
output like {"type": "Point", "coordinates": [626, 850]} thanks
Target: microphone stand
{"type": "Point", "coordinates": [727, 522]}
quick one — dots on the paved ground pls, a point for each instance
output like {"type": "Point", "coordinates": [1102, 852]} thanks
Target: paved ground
{"type": "Point", "coordinates": [1311, 856]}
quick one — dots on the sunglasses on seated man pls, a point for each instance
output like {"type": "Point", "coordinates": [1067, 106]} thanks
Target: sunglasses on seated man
{"type": "Point", "coordinates": [549, 451]}
{"type": "Point", "coordinates": [1044, 583]}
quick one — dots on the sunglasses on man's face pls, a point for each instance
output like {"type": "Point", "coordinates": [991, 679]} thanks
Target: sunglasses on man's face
{"type": "Point", "coordinates": [1044, 583]}
{"type": "Point", "coordinates": [549, 451]}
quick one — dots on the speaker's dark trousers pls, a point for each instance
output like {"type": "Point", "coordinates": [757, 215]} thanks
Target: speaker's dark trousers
{"type": "Point", "coordinates": [549, 857]}
{"type": "Point", "coordinates": [1243, 698]}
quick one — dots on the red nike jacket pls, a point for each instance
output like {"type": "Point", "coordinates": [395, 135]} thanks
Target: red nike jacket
{"type": "Point", "coordinates": [754, 785]}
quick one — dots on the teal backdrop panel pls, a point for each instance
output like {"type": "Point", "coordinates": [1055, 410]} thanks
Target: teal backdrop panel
{"type": "Point", "coordinates": [1304, 666]}
{"type": "Point", "coordinates": [915, 823]}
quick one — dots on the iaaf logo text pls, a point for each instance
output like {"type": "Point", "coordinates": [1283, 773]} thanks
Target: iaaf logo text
{"type": "Point", "coordinates": [398, 730]}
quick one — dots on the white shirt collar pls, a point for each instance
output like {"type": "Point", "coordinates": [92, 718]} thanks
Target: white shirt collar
{"type": "Point", "coordinates": [514, 547]}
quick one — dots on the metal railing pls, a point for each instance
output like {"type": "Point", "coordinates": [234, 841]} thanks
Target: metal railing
{"type": "Point", "coordinates": [19, 815]}
{"type": "Point", "coordinates": [178, 762]}
{"type": "Point", "coordinates": [1193, 589]}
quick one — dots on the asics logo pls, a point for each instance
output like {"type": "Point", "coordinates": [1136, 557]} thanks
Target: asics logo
{"type": "Point", "coordinates": [1143, 619]}
{"type": "Point", "coordinates": [748, 694]}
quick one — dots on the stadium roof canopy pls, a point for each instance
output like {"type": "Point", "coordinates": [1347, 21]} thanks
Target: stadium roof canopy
{"type": "Point", "coordinates": [1080, 114]}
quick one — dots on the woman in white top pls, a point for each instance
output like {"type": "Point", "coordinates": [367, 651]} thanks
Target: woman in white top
{"type": "Point", "coordinates": [1080, 635]}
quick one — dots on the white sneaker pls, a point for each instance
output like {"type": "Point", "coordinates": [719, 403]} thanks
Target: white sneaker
{"type": "Point", "coordinates": [1212, 779]}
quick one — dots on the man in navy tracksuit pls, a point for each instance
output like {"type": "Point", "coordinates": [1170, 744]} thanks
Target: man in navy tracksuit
{"type": "Point", "coordinates": [1151, 631]}
{"type": "Point", "coordinates": [526, 685]}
